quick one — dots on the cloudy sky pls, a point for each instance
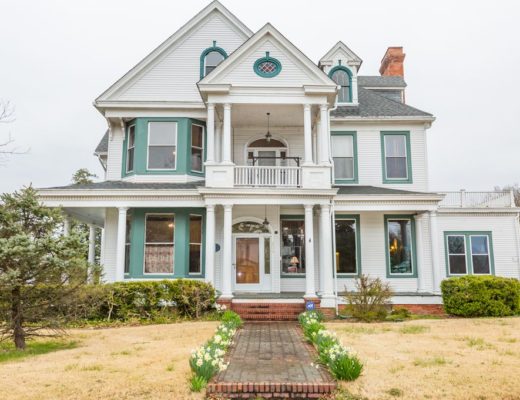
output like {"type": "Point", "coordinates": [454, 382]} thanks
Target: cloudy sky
{"type": "Point", "coordinates": [462, 64]}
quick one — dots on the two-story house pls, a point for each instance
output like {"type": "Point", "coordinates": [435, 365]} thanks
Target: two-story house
{"type": "Point", "coordinates": [232, 157]}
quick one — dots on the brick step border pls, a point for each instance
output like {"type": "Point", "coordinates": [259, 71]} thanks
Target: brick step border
{"type": "Point", "coordinates": [268, 311]}
{"type": "Point", "coordinates": [266, 390]}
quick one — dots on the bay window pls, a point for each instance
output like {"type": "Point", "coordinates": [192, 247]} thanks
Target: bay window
{"type": "Point", "coordinates": [195, 262]}
{"type": "Point", "coordinates": [130, 152]}
{"type": "Point", "coordinates": [162, 145]}
{"type": "Point", "coordinates": [159, 244]}
{"type": "Point", "coordinates": [197, 147]}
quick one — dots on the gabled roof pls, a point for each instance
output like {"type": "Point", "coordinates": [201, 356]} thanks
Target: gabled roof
{"type": "Point", "coordinates": [352, 58]}
{"type": "Point", "coordinates": [381, 81]}
{"type": "Point", "coordinates": [171, 41]}
{"type": "Point", "coordinates": [270, 31]}
{"type": "Point", "coordinates": [371, 104]}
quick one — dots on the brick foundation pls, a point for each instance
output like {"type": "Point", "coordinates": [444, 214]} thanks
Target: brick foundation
{"type": "Point", "coordinates": [422, 309]}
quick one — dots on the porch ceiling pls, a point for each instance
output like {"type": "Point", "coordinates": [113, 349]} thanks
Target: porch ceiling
{"type": "Point", "coordinates": [255, 115]}
{"type": "Point", "coordinates": [89, 215]}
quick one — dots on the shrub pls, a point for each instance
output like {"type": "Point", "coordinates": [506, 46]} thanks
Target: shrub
{"type": "Point", "coordinates": [231, 318]}
{"type": "Point", "coordinates": [370, 300]}
{"type": "Point", "coordinates": [481, 296]}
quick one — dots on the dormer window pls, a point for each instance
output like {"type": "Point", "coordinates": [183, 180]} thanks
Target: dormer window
{"type": "Point", "coordinates": [342, 76]}
{"type": "Point", "coordinates": [210, 59]}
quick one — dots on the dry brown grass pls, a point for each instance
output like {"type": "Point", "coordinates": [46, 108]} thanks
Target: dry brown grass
{"type": "Point", "coordinates": [436, 359]}
{"type": "Point", "coordinates": [147, 362]}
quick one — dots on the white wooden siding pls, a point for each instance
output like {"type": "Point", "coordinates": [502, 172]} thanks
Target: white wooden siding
{"type": "Point", "coordinates": [115, 154]}
{"type": "Point", "coordinates": [174, 76]}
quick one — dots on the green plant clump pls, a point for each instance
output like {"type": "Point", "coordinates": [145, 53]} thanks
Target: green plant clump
{"type": "Point", "coordinates": [481, 296]}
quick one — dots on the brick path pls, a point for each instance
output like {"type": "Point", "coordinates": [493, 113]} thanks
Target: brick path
{"type": "Point", "coordinates": [269, 358]}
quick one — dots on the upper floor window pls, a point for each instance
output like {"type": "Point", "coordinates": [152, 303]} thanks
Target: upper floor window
{"type": "Point", "coordinates": [162, 145]}
{"type": "Point", "coordinates": [130, 149]}
{"type": "Point", "coordinates": [210, 59]}
{"type": "Point", "coordinates": [267, 67]}
{"type": "Point", "coordinates": [342, 77]}
{"type": "Point", "coordinates": [344, 156]}
{"type": "Point", "coordinates": [468, 253]}
{"type": "Point", "coordinates": [197, 147]}
{"type": "Point", "coordinates": [396, 157]}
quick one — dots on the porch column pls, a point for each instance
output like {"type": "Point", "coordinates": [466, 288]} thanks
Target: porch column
{"type": "Point", "coordinates": [324, 134]}
{"type": "Point", "coordinates": [226, 140]}
{"type": "Point", "coordinates": [66, 226]}
{"type": "Point", "coordinates": [310, 290]}
{"type": "Point", "coordinates": [436, 278]}
{"type": "Point", "coordinates": [102, 248]}
{"type": "Point", "coordinates": [421, 277]}
{"type": "Point", "coordinates": [91, 244]}
{"type": "Point", "coordinates": [227, 256]}
{"type": "Point", "coordinates": [218, 142]}
{"type": "Point", "coordinates": [210, 133]}
{"type": "Point", "coordinates": [210, 244]}
{"type": "Point", "coordinates": [326, 252]}
{"type": "Point", "coordinates": [307, 132]}
{"type": "Point", "coordinates": [121, 243]}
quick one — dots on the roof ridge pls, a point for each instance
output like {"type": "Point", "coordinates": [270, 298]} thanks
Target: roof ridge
{"type": "Point", "coordinates": [372, 92]}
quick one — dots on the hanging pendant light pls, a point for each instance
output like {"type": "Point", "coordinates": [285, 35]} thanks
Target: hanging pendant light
{"type": "Point", "coordinates": [268, 135]}
{"type": "Point", "coordinates": [266, 222]}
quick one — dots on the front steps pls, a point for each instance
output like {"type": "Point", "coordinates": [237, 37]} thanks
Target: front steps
{"type": "Point", "coordinates": [268, 309]}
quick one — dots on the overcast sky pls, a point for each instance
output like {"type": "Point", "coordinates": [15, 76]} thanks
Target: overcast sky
{"type": "Point", "coordinates": [462, 64]}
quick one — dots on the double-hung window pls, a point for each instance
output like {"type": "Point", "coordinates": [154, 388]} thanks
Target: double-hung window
{"type": "Point", "coordinates": [400, 247]}
{"type": "Point", "coordinates": [195, 244]}
{"type": "Point", "coordinates": [162, 145]}
{"type": "Point", "coordinates": [396, 157]}
{"type": "Point", "coordinates": [347, 244]}
{"type": "Point", "coordinates": [197, 147]}
{"type": "Point", "coordinates": [344, 156]}
{"type": "Point", "coordinates": [130, 149]}
{"type": "Point", "coordinates": [128, 242]}
{"type": "Point", "coordinates": [159, 244]}
{"type": "Point", "coordinates": [469, 253]}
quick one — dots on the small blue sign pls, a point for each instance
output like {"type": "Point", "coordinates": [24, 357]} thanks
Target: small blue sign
{"type": "Point", "coordinates": [310, 306]}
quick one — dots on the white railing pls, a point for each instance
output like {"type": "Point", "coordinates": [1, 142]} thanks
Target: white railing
{"type": "Point", "coordinates": [463, 199]}
{"type": "Point", "coordinates": [267, 176]}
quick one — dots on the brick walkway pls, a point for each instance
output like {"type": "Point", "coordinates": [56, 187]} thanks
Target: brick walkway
{"type": "Point", "coordinates": [270, 358]}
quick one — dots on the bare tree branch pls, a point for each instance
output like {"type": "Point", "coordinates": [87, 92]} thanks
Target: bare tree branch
{"type": "Point", "coordinates": [6, 111]}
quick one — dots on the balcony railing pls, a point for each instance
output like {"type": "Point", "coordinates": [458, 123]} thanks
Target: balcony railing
{"type": "Point", "coordinates": [246, 175]}
{"type": "Point", "coordinates": [463, 199]}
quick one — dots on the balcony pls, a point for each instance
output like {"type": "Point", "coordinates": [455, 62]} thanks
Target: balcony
{"type": "Point", "coordinates": [268, 176]}
{"type": "Point", "coordinates": [464, 199]}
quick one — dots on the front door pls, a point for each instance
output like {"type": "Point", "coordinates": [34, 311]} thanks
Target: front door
{"type": "Point", "coordinates": [252, 262]}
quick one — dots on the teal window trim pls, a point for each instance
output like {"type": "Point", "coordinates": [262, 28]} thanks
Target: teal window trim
{"type": "Point", "coordinates": [355, 179]}
{"type": "Point", "coordinates": [204, 139]}
{"type": "Point", "coordinates": [206, 52]}
{"type": "Point", "coordinates": [349, 73]}
{"type": "Point", "coordinates": [183, 149]}
{"type": "Point", "coordinates": [409, 172]}
{"type": "Point", "coordinates": [203, 235]}
{"type": "Point", "coordinates": [410, 217]}
{"type": "Point", "coordinates": [291, 217]}
{"type": "Point", "coordinates": [267, 58]}
{"type": "Point", "coordinates": [124, 171]}
{"type": "Point", "coordinates": [355, 217]}
{"type": "Point", "coordinates": [469, 259]}
{"type": "Point", "coordinates": [181, 242]}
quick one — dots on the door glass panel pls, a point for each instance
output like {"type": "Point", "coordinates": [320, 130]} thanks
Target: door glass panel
{"type": "Point", "coordinates": [267, 162]}
{"type": "Point", "coordinates": [267, 256]}
{"type": "Point", "coordinates": [247, 260]}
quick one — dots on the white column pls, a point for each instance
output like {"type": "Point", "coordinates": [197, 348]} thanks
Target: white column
{"type": "Point", "coordinates": [324, 134]}
{"type": "Point", "coordinates": [218, 142]}
{"type": "Point", "coordinates": [91, 244]}
{"type": "Point", "coordinates": [436, 275]}
{"type": "Point", "coordinates": [210, 244]}
{"type": "Point", "coordinates": [66, 226]}
{"type": "Point", "coordinates": [102, 248]}
{"type": "Point", "coordinates": [121, 243]}
{"type": "Point", "coordinates": [318, 143]}
{"type": "Point", "coordinates": [210, 134]}
{"type": "Point", "coordinates": [307, 133]}
{"type": "Point", "coordinates": [310, 290]}
{"type": "Point", "coordinates": [226, 140]}
{"type": "Point", "coordinates": [421, 267]}
{"type": "Point", "coordinates": [227, 253]}
{"type": "Point", "coordinates": [326, 252]}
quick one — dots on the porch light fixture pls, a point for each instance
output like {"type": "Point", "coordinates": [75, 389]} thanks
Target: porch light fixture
{"type": "Point", "coordinates": [268, 135]}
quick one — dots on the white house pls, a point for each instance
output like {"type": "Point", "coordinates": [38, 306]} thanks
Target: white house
{"type": "Point", "coordinates": [232, 157]}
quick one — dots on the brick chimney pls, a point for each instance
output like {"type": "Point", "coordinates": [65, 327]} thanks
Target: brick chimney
{"type": "Point", "coordinates": [392, 63]}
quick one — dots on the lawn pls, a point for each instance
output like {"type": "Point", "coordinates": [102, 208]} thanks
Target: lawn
{"type": "Point", "coordinates": [146, 362]}
{"type": "Point", "coordinates": [435, 359]}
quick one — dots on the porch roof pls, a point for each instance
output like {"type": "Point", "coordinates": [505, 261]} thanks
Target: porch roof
{"type": "Point", "coordinates": [357, 189]}
{"type": "Point", "coordinates": [117, 185]}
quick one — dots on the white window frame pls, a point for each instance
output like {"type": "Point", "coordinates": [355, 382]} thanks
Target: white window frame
{"type": "Point", "coordinates": [128, 149]}
{"type": "Point", "coordinates": [465, 255]}
{"type": "Point", "coordinates": [488, 254]}
{"type": "Point", "coordinates": [353, 158]}
{"type": "Point", "coordinates": [385, 135]}
{"type": "Point", "coordinates": [145, 243]}
{"type": "Point", "coordinates": [201, 243]}
{"type": "Point", "coordinates": [163, 145]}
{"type": "Point", "coordinates": [215, 66]}
{"type": "Point", "coordinates": [203, 148]}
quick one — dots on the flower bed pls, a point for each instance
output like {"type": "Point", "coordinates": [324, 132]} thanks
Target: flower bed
{"type": "Point", "coordinates": [342, 362]}
{"type": "Point", "coordinates": [208, 359]}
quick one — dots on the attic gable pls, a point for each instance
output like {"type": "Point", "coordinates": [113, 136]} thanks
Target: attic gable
{"type": "Point", "coordinates": [171, 71]}
{"type": "Point", "coordinates": [295, 68]}
{"type": "Point", "coordinates": [340, 54]}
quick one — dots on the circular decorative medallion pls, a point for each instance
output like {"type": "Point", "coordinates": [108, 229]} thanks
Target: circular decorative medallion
{"type": "Point", "coordinates": [267, 67]}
